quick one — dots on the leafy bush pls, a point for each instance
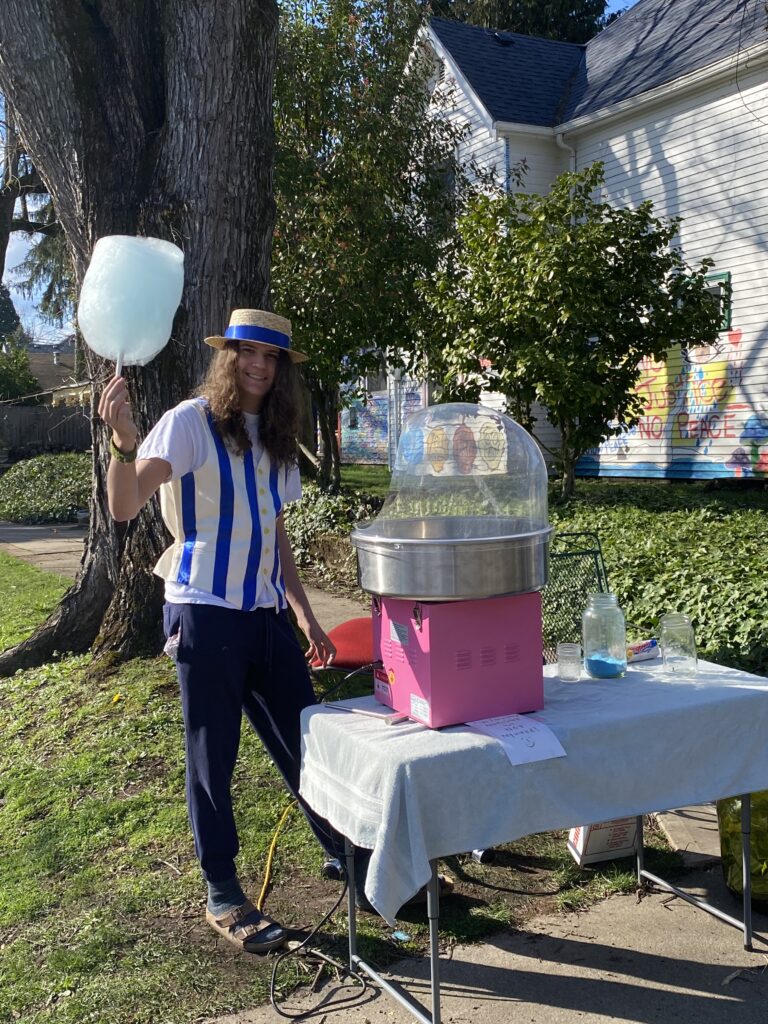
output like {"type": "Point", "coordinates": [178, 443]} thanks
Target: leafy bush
{"type": "Point", "coordinates": [686, 548]}
{"type": "Point", "coordinates": [320, 516]}
{"type": "Point", "coordinates": [46, 489]}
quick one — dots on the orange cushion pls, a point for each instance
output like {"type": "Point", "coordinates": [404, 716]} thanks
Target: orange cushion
{"type": "Point", "coordinates": [354, 643]}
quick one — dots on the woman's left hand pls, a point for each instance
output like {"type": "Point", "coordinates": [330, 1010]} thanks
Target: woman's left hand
{"type": "Point", "coordinates": [321, 648]}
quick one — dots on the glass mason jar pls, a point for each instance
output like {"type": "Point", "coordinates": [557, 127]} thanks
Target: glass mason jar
{"type": "Point", "coordinates": [604, 637]}
{"type": "Point", "coordinates": [678, 644]}
{"type": "Point", "coordinates": [729, 826]}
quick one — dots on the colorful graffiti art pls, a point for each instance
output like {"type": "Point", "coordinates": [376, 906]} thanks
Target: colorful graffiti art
{"type": "Point", "coordinates": [365, 426]}
{"type": "Point", "coordinates": [364, 431]}
{"type": "Point", "coordinates": [696, 421]}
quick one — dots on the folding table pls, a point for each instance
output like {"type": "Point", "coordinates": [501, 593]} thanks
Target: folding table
{"type": "Point", "coordinates": [634, 745]}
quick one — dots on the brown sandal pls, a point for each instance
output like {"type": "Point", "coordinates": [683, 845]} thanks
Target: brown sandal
{"type": "Point", "coordinates": [257, 936]}
{"type": "Point", "coordinates": [445, 888]}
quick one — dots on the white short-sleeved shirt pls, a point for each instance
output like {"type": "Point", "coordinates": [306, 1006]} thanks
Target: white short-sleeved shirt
{"type": "Point", "coordinates": [179, 437]}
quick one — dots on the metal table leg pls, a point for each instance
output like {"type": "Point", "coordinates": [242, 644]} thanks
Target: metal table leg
{"type": "Point", "coordinates": [746, 866]}
{"type": "Point", "coordinates": [745, 924]}
{"type": "Point", "coordinates": [357, 964]}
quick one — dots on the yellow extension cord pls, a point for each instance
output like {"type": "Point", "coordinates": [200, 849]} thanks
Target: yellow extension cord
{"type": "Point", "coordinates": [271, 855]}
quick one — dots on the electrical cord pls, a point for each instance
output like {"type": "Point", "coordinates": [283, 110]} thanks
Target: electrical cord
{"type": "Point", "coordinates": [342, 970]}
{"type": "Point", "coordinates": [293, 803]}
{"type": "Point", "coordinates": [355, 672]}
{"type": "Point", "coordinates": [311, 954]}
{"type": "Point", "coordinates": [271, 856]}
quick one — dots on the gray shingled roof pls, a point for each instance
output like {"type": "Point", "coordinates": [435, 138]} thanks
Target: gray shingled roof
{"type": "Point", "coordinates": [657, 41]}
{"type": "Point", "coordinates": [537, 81]}
{"type": "Point", "coordinates": [517, 78]}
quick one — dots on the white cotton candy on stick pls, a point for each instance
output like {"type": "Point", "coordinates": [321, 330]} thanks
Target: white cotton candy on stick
{"type": "Point", "coordinates": [129, 297]}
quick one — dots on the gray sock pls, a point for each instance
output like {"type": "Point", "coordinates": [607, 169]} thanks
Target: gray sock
{"type": "Point", "coordinates": [225, 896]}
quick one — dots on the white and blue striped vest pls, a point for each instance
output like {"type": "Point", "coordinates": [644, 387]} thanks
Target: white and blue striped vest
{"type": "Point", "coordinates": [222, 517]}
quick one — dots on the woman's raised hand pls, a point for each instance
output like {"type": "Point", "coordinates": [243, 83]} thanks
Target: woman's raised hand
{"type": "Point", "coordinates": [115, 410]}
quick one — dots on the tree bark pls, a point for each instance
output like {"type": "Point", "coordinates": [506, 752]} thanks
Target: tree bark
{"type": "Point", "coordinates": [8, 188]}
{"type": "Point", "coordinates": [152, 117]}
{"type": "Point", "coordinates": [568, 459]}
{"type": "Point", "coordinates": [329, 472]}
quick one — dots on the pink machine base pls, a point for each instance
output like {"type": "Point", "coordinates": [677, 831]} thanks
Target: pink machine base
{"type": "Point", "coordinates": [457, 661]}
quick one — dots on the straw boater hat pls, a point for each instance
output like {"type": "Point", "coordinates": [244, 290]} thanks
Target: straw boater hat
{"type": "Point", "coordinates": [259, 326]}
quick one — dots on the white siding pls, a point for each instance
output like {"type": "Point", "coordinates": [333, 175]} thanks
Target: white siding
{"type": "Point", "coordinates": [702, 158]}
{"type": "Point", "coordinates": [544, 159]}
{"type": "Point", "coordinates": [499, 153]}
{"type": "Point", "coordinates": [546, 436]}
{"type": "Point", "coordinates": [481, 145]}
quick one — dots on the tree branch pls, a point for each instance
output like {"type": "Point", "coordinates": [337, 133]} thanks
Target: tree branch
{"type": "Point", "coordinates": [309, 455]}
{"type": "Point", "coordinates": [33, 227]}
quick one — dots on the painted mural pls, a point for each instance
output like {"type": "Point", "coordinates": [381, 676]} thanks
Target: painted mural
{"type": "Point", "coordinates": [365, 426]}
{"type": "Point", "coordinates": [699, 421]}
{"type": "Point", "coordinates": [364, 431]}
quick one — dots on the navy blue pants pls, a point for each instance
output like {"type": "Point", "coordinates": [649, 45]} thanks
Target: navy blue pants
{"type": "Point", "coordinates": [231, 663]}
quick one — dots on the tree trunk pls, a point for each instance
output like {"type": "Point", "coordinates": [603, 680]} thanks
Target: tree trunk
{"type": "Point", "coordinates": [329, 473]}
{"type": "Point", "coordinates": [568, 459]}
{"type": "Point", "coordinates": [308, 463]}
{"type": "Point", "coordinates": [152, 117]}
{"type": "Point", "coordinates": [9, 191]}
{"type": "Point", "coordinates": [568, 483]}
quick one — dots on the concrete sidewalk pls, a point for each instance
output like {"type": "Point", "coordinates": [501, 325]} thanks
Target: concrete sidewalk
{"type": "Point", "coordinates": [656, 960]}
{"type": "Point", "coordinates": [651, 961]}
{"type": "Point", "coordinates": [59, 549]}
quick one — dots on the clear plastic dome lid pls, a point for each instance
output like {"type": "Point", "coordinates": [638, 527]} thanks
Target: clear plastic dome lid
{"type": "Point", "coordinates": [463, 472]}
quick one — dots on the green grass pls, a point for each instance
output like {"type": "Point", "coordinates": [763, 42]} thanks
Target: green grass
{"type": "Point", "coordinates": [27, 596]}
{"type": "Point", "coordinates": [373, 480]}
{"type": "Point", "coordinates": [100, 894]}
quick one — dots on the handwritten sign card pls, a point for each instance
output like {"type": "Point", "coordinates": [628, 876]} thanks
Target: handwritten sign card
{"type": "Point", "coordinates": [523, 737]}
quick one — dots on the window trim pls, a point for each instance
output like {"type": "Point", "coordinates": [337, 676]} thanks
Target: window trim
{"type": "Point", "coordinates": [715, 281]}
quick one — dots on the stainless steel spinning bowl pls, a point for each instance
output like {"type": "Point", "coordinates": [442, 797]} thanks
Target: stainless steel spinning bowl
{"type": "Point", "coordinates": [451, 558]}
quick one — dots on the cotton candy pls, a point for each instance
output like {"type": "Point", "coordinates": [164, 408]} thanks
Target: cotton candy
{"type": "Point", "coordinates": [129, 297]}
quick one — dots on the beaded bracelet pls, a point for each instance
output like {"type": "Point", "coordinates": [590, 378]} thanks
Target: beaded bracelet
{"type": "Point", "coordinates": [120, 455]}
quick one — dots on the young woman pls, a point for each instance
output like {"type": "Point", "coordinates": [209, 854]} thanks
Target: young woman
{"type": "Point", "coordinates": [225, 464]}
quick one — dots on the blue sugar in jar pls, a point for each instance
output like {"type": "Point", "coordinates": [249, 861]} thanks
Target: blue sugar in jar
{"type": "Point", "coordinates": [604, 637]}
{"type": "Point", "coordinates": [603, 666]}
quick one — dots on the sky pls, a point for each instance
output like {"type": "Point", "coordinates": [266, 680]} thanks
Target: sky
{"type": "Point", "coordinates": [40, 331]}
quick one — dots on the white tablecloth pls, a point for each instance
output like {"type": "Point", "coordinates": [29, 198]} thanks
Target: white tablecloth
{"type": "Point", "coordinates": [633, 745]}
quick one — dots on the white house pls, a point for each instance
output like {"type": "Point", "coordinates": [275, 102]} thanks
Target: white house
{"type": "Point", "coordinates": [672, 98]}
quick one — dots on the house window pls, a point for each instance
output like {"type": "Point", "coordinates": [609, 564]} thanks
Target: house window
{"type": "Point", "coordinates": [354, 422]}
{"type": "Point", "coordinates": [719, 285]}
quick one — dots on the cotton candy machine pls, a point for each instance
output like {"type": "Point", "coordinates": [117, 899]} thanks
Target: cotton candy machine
{"type": "Point", "coordinates": [455, 561]}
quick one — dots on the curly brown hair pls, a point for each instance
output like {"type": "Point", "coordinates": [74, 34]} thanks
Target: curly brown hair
{"type": "Point", "coordinates": [278, 416]}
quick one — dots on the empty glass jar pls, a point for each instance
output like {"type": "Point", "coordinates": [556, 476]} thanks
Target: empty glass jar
{"type": "Point", "coordinates": [604, 637]}
{"type": "Point", "coordinates": [569, 662]}
{"type": "Point", "coordinates": [678, 644]}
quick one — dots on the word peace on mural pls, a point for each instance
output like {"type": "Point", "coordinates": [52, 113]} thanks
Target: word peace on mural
{"type": "Point", "coordinates": [704, 417]}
